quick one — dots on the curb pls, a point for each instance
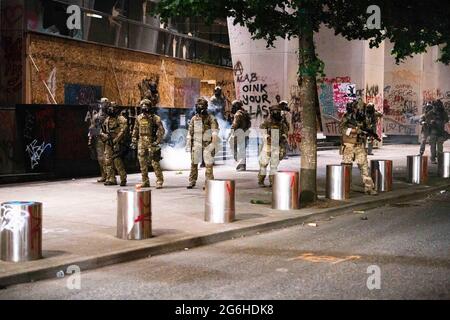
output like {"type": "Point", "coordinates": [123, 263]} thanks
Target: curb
{"type": "Point", "coordinates": [103, 260]}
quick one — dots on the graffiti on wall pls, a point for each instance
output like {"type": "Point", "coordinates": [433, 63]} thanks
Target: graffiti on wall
{"type": "Point", "coordinates": [78, 94]}
{"type": "Point", "coordinates": [401, 111]}
{"type": "Point", "coordinates": [333, 98]}
{"type": "Point", "coordinates": [35, 152]}
{"type": "Point", "coordinates": [186, 92]}
{"type": "Point", "coordinates": [253, 91]}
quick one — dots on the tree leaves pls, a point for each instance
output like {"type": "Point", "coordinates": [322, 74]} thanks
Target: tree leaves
{"type": "Point", "coordinates": [412, 25]}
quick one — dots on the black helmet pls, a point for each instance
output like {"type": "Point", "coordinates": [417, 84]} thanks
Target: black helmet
{"type": "Point", "coordinates": [370, 108]}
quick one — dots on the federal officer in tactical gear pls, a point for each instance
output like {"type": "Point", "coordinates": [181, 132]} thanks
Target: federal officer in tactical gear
{"type": "Point", "coordinates": [113, 134]}
{"type": "Point", "coordinates": [437, 118]}
{"type": "Point", "coordinates": [239, 133]}
{"type": "Point", "coordinates": [425, 131]}
{"type": "Point", "coordinates": [202, 140]}
{"type": "Point", "coordinates": [94, 140]}
{"type": "Point", "coordinates": [372, 118]}
{"type": "Point", "coordinates": [148, 134]}
{"type": "Point", "coordinates": [273, 150]}
{"type": "Point", "coordinates": [354, 141]}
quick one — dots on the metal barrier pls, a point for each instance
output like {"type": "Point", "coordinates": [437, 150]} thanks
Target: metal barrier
{"type": "Point", "coordinates": [220, 200]}
{"type": "Point", "coordinates": [286, 190]}
{"type": "Point", "coordinates": [20, 231]}
{"type": "Point", "coordinates": [338, 181]}
{"type": "Point", "coordinates": [134, 214]}
{"type": "Point", "coordinates": [444, 165]}
{"type": "Point", "coordinates": [381, 172]}
{"type": "Point", "coordinates": [417, 169]}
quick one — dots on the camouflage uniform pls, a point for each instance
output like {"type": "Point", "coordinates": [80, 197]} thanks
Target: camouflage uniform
{"type": "Point", "coordinates": [240, 122]}
{"type": "Point", "coordinates": [96, 142]}
{"type": "Point", "coordinates": [113, 133]}
{"type": "Point", "coordinates": [148, 134]}
{"type": "Point", "coordinates": [372, 118]}
{"type": "Point", "coordinates": [437, 118]}
{"type": "Point", "coordinates": [265, 155]}
{"type": "Point", "coordinates": [202, 141]}
{"type": "Point", "coordinates": [354, 149]}
{"type": "Point", "coordinates": [425, 131]}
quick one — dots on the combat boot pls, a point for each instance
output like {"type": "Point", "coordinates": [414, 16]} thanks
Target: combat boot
{"type": "Point", "coordinates": [191, 185]}
{"type": "Point", "coordinates": [261, 180]}
{"type": "Point", "coordinates": [371, 192]}
{"type": "Point", "coordinates": [110, 183]}
{"type": "Point", "coordinates": [123, 183]}
{"type": "Point", "coordinates": [241, 167]}
{"type": "Point", "coordinates": [159, 186]}
{"type": "Point", "coordinates": [101, 180]}
{"type": "Point", "coordinates": [271, 180]}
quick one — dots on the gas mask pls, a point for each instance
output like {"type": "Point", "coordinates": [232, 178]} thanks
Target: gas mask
{"type": "Point", "coordinates": [201, 110]}
{"type": "Point", "coordinates": [218, 91]}
{"type": "Point", "coordinates": [110, 111]}
{"type": "Point", "coordinates": [370, 109]}
{"type": "Point", "coordinates": [276, 115]}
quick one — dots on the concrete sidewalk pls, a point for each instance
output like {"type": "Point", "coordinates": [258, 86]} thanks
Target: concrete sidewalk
{"type": "Point", "coordinates": [79, 219]}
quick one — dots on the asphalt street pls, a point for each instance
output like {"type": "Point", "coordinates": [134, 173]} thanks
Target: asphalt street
{"type": "Point", "coordinates": [398, 251]}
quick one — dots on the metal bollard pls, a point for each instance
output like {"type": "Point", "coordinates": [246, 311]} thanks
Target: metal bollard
{"type": "Point", "coordinates": [339, 181]}
{"type": "Point", "coordinates": [20, 231]}
{"type": "Point", "coordinates": [417, 169]}
{"type": "Point", "coordinates": [381, 172]}
{"type": "Point", "coordinates": [219, 202]}
{"type": "Point", "coordinates": [134, 214]}
{"type": "Point", "coordinates": [286, 190]}
{"type": "Point", "coordinates": [444, 165]}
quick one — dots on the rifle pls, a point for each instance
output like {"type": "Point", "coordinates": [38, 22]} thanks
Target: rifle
{"type": "Point", "coordinates": [368, 132]}
{"type": "Point", "coordinates": [109, 140]}
{"type": "Point", "coordinates": [371, 134]}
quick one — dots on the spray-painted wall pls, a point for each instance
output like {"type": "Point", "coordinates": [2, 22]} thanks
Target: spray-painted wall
{"type": "Point", "coordinates": [260, 74]}
{"type": "Point", "coordinates": [409, 85]}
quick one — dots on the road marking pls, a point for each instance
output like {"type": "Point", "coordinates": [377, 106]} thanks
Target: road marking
{"type": "Point", "coordinates": [311, 257]}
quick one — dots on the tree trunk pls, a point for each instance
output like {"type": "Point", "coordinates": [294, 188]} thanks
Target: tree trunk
{"type": "Point", "coordinates": [308, 94]}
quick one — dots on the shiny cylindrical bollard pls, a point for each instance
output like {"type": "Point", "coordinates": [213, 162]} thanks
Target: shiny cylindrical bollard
{"type": "Point", "coordinates": [444, 165]}
{"type": "Point", "coordinates": [286, 190]}
{"type": "Point", "coordinates": [134, 214]}
{"type": "Point", "coordinates": [20, 231]}
{"type": "Point", "coordinates": [338, 181]}
{"type": "Point", "coordinates": [417, 169]}
{"type": "Point", "coordinates": [219, 202]}
{"type": "Point", "coordinates": [381, 172]}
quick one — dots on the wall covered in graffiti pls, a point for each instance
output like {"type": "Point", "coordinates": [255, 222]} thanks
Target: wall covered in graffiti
{"type": "Point", "coordinates": [334, 94]}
